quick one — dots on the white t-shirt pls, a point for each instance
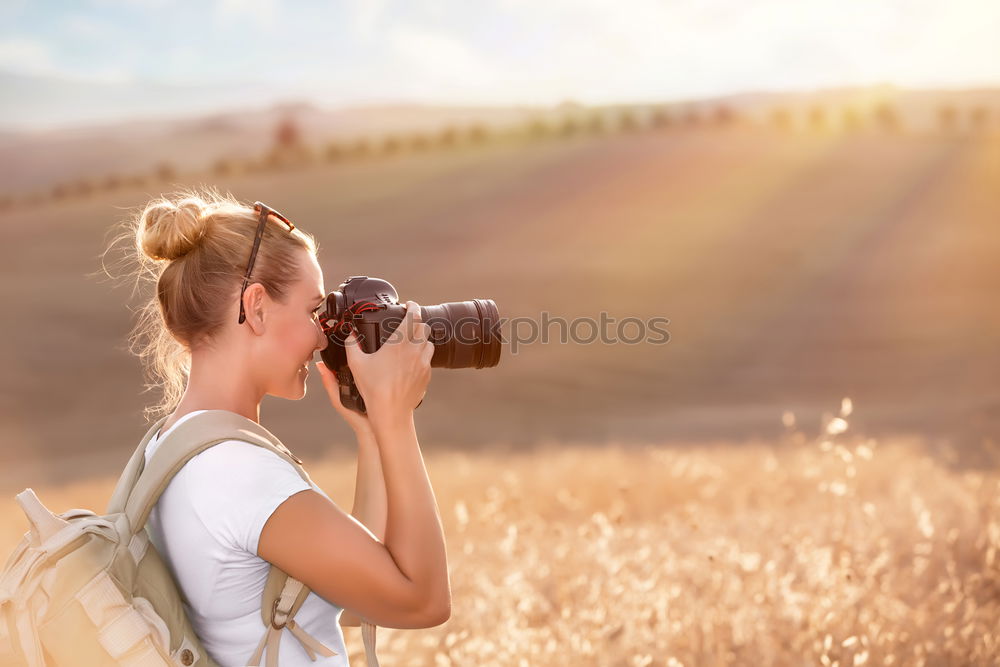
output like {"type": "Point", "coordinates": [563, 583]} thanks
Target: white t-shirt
{"type": "Point", "coordinates": [206, 526]}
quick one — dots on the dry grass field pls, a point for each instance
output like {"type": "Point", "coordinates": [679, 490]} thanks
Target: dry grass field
{"type": "Point", "coordinates": [840, 550]}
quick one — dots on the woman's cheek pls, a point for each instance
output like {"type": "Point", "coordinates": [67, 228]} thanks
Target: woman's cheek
{"type": "Point", "coordinates": [308, 334]}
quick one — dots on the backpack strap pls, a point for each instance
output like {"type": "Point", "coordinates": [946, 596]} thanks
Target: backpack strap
{"type": "Point", "coordinates": [186, 441]}
{"type": "Point", "coordinates": [283, 595]}
{"type": "Point", "coordinates": [132, 469]}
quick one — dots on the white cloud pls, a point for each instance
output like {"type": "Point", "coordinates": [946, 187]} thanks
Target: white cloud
{"type": "Point", "coordinates": [82, 25]}
{"type": "Point", "coordinates": [545, 51]}
{"type": "Point", "coordinates": [610, 49]}
{"type": "Point", "coordinates": [140, 4]}
{"type": "Point", "coordinates": [112, 74]}
{"type": "Point", "coordinates": [26, 56]}
{"type": "Point", "coordinates": [261, 12]}
{"type": "Point", "coordinates": [365, 16]}
{"type": "Point", "coordinates": [437, 60]}
{"type": "Point", "coordinates": [34, 58]}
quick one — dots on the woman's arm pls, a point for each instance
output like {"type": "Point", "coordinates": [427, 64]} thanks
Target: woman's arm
{"type": "Point", "coordinates": [370, 503]}
{"type": "Point", "coordinates": [400, 576]}
{"type": "Point", "coordinates": [393, 381]}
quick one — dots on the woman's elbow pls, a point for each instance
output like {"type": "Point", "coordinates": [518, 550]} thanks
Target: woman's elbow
{"type": "Point", "coordinates": [439, 614]}
{"type": "Point", "coordinates": [437, 609]}
{"type": "Point", "coordinates": [430, 611]}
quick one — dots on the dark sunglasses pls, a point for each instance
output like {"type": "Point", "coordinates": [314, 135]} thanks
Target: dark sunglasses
{"type": "Point", "coordinates": [265, 211]}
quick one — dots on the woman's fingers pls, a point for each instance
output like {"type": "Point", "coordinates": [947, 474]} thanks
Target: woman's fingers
{"type": "Point", "coordinates": [353, 349]}
{"type": "Point", "coordinates": [420, 332]}
{"type": "Point", "coordinates": [411, 320]}
{"type": "Point", "coordinates": [329, 379]}
{"type": "Point", "coordinates": [413, 328]}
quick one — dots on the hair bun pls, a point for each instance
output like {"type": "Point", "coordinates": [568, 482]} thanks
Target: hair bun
{"type": "Point", "coordinates": [169, 230]}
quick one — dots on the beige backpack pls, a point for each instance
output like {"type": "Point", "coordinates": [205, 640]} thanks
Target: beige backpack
{"type": "Point", "coordinates": [85, 590]}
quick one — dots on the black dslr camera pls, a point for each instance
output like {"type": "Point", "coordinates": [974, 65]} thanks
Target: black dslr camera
{"type": "Point", "coordinates": [466, 334]}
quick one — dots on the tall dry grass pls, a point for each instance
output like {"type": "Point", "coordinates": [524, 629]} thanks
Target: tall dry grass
{"type": "Point", "coordinates": [839, 551]}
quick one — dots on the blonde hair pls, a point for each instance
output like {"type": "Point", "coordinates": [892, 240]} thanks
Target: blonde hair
{"type": "Point", "coordinates": [193, 248]}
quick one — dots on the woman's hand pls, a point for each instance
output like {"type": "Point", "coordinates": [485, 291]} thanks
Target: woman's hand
{"type": "Point", "coordinates": [358, 422]}
{"type": "Point", "coordinates": [393, 379]}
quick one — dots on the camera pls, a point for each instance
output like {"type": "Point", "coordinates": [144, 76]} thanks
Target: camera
{"type": "Point", "coordinates": [465, 334]}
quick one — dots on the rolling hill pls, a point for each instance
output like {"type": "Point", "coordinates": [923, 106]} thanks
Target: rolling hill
{"type": "Point", "coordinates": [794, 269]}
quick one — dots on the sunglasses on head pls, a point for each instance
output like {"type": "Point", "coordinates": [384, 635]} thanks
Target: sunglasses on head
{"type": "Point", "coordinates": [264, 211]}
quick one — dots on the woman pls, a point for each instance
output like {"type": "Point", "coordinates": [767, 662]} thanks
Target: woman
{"type": "Point", "coordinates": [219, 342]}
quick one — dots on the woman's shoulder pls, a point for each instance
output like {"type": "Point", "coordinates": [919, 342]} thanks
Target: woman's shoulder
{"type": "Point", "coordinates": [241, 456]}
{"type": "Point", "coordinates": [235, 473]}
{"type": "Point", "coordinates": [233, 487]}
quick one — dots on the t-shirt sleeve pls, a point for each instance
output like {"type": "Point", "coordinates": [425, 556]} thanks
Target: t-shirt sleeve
{"type": "Point", "coordinates": [235, 486]}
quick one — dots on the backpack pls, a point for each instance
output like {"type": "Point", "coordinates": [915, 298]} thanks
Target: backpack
{"type": "Point", "coordinates": [90, 590]}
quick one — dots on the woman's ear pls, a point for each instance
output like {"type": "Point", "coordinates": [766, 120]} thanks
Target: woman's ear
{"type": "Point", "coordinates": [254, 302]}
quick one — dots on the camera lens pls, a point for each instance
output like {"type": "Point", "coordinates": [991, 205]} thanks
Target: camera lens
{"type": "Point", "coordinates": [466, 334]}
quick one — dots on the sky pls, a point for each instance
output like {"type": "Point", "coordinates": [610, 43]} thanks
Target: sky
{"type": "Point", "coordinates": [505, 51]}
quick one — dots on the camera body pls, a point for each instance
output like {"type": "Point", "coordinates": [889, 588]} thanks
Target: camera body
{"type": "Point", "coordinates": [465, 334]}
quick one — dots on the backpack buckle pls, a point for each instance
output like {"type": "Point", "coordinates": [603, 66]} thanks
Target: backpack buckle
{"type": "Point", "coordinates": [274, 613]}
